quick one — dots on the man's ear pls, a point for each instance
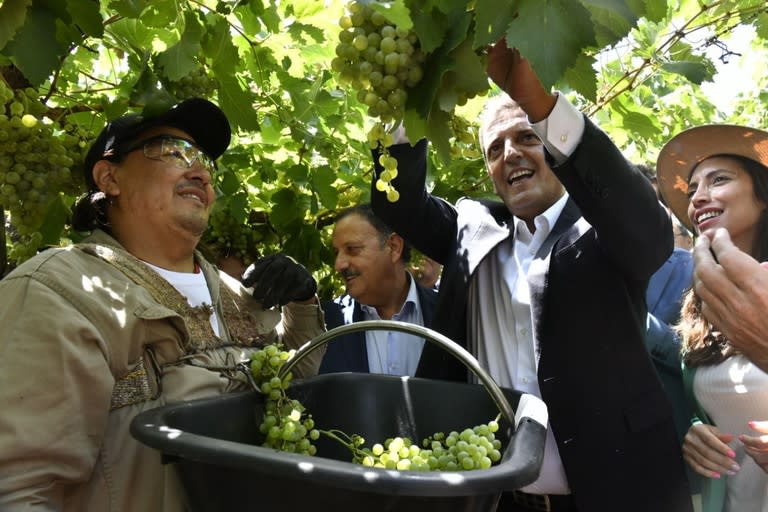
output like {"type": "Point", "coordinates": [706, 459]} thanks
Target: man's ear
{"type": "Point", "coordinates": [104, 177]}
{"type": "Point", "coordinates": [396, 243]}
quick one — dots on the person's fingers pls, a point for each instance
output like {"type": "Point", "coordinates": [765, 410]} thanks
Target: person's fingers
{"type": "Point", "coordinates": [735, 263]}
{"type": "Point", "coordinates": [759, 426]}
{"type": "Point", "coordinates": [757, 446]}
{"type": "Point", "coordinates": [711, 284]}
{"type": "Point", "coordinates": [706, 451]}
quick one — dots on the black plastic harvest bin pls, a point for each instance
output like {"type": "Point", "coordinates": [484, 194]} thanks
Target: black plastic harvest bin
{"type": "Point", "coordinates": [215, 445]}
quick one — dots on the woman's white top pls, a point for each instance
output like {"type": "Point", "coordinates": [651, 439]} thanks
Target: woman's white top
{"type": "Point", "coordinates": [733, 393]}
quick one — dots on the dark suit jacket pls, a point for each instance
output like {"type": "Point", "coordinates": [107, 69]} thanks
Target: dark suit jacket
{"type": "Point", "coordinates": [609, 414]}
{"type": "Point", "coordinates": [349, 353]}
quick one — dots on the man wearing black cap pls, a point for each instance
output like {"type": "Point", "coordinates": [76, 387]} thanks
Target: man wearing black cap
{"type": "Point", "coordinates": [130, 319]}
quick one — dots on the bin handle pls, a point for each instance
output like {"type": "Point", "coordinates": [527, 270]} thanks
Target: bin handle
{"type": "Point", "coordinates": [433, 336]}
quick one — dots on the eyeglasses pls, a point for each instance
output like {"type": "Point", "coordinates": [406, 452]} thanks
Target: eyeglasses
{"type": "Point", "coordinates": [179, 152]}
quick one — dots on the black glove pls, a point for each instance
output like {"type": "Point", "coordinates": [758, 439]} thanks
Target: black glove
{"type": "Point", "coordinates": [279, 279]}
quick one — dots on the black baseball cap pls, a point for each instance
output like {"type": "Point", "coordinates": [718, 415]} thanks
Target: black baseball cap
{"type": "Point", "coordinates": [201, 119]}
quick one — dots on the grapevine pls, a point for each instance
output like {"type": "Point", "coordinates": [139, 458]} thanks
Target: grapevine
{"type": "Point", "coordinates": [36, 162]}
{"type": "Point", "coordinates": [381, 62]}
{"type": "Point", "coordinates": [287, 426]}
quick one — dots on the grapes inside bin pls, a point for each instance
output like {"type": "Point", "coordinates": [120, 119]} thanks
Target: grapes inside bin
{"type": "Point", "coordinates": [216, 444]}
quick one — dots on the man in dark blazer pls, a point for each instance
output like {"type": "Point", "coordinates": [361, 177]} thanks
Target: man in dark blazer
{"type": "Point", "coordinates": [547, 289]}
{"type": "Point", "coordinates": [373, 259]}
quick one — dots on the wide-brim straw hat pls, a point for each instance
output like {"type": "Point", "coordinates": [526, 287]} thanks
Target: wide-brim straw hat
{"type": "Point", "coordinates": [687, 149]}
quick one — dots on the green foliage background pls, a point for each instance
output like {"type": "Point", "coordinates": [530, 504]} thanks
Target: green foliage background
{"type": "Point", "coordinates": [300, 153]}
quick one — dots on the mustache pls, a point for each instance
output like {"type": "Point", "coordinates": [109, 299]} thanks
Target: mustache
{"type": "Point", "coordinates": [346, 274]}
{"type": "Point", "coordinates": [191, 184]}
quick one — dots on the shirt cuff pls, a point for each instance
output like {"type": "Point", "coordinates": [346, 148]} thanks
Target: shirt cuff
{"type": "Point", "coordinates": [562, 130]}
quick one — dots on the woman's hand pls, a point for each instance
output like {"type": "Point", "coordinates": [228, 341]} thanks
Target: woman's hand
{"type": "Point", "coordinates": [757, 446]}
{"type": "Point", "coordinates": [705, 449]}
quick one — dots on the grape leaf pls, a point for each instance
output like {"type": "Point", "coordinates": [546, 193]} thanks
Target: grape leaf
{"type": "Point", "coordinates": [181, 58]}
{"type": "Point", "coordinates": [654, 10]}
{"type": "Point", "coordinates": [271, 18]}
{"type": "Point", "coordinates": [581, 77]}
{"type": "Point", "coordinates": [297, 174]}
{"type": "Point", "coordinates": [436, 29]}
{"type": "Point", "coordinates": [132, 34]}
{"type": "Point", "coordinates": [270, 130]}
{"type": "Point", "coordinates": [422, 97]}
{"type": "Point", "coordinates": [285, 207]}
{"type": "Point", "coordinates": [128, 8]}
{"type": "Point", "coordinates": [612, 19]}
{"type": "Point", "coordinates": [236, 102]}
{"type": "Point", "coordinates": [218, 46]}
{"type": "Point", "coordinates": [322, 181]}
{"type": "Point", "coordinates": [551, 34]}
{"type": "Point", "coordinates": [55, 218]}
{"type": "Point", "coordinates": [12, 16]}
{"type": "Point", "coordinates": [396, 12]}
{"type": "Point", "coordinates": [35, 48]}
{"type": "Point", "coordinates": [238, 206]}
{"type": "Point", "coordinates": [761, 25]}
{"type": "Point", "coordinates": [149, 95]}
{"type": "Point", "coordinates": [229, 184]}
{"type": "Point", "coordinates": [439, 133]}
{"type": "Point", "coordinates": [491, 21]}
{"type": "Point", "coordinates": [161, 14]}
{"type": "Point", "coordinates": [695, 71]}
{"type": "Point", "coordinates": [86, 15]}
{"type": "Point", "coordinates": [636, 122]}
{"type": "Point", "coordinates": [472, 78]}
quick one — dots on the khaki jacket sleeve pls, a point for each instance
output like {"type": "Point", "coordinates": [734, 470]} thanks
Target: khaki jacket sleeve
{"type": "Point", "coordinates": [301, 323]}
{"type": "Point", "coordinates": [55, 388]}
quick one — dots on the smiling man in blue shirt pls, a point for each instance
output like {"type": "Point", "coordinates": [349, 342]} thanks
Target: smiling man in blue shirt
{"type": "Point", "coordinates": [372, 260]}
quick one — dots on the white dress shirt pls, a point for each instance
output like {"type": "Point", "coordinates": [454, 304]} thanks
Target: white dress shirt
{"type": "Point", "coordinates": [503, 322]}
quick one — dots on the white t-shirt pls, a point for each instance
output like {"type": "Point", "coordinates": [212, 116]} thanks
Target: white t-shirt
{"type": "Point", "coordinates": [192, 286]}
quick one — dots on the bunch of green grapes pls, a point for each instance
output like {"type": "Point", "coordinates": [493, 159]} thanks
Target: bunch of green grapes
{"type": "Point", "coordinates": [196, 84]}
{"type": "Point", "coordinates": [472, 448]}
{"type": "Point", "coordinates": [286, 425]}
{"type": "Point", "coordinates": [381, 62]}
{"type": "Point", "coordinates": [228, 237]}
{"type": "Point", "coordinates": [464, 143]}
{"type": "Point", "coordinates": [36, 162]}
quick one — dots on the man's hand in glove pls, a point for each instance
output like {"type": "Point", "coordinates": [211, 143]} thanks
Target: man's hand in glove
{"type": "Point", "coordinates": [279, 279]}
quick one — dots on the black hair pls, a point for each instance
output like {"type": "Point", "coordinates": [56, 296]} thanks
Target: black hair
{"type": "Point", "coordinates": [90, 210]}
{"type": "Point", "coordinates": [759, 174]}
{"type": "Point", "coordinates": [365, 210]}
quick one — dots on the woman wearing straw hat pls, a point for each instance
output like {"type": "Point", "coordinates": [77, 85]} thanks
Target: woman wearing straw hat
{"type": "Point", "coordinates": [715, 178]}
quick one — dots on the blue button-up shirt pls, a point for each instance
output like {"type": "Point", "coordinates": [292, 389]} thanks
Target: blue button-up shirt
{"type": "Point", "coordinates": [393, 352]}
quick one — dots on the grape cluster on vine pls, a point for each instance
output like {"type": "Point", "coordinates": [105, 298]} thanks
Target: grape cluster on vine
{"type": "Point", "coordinates": [228, 237]}
{"type": "Point", "coordinates": [198, 83]}
{"type": "Point", "coordinates": [381, 62]}
{"type": "Point", "coordinates": [286, 425]}
{"type": "Point", "coordinates": [36, 162]}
